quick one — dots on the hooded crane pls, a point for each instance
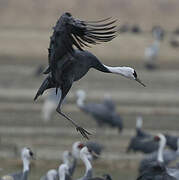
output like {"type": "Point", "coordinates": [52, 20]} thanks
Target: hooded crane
{"type": "Point", "coordinates": [142, 141]}
{"type": "Point", "coordinates": [67, 64]}
{"type": "Point", "coordinates": [26, 155]}
{"type": "Point", "coordinates": [156, 170]}
{"type": "Point", "coordinates": [94, 146]}
{"type": "Point", "coordinates": [76, 147]}
{"type": "Point", "coordinates": [152, 51]}
{"type": "Point", "coordinates": [165, 156]}
{"type": "Point", "coordinates": [139, 132]}
{"type": "Point", "coordinates": [86, 157]}
{"type": "Point", "coordinates": [103, 113]}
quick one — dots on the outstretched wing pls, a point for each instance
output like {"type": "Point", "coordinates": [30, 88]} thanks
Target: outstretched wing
{"type": "Point", "coordinates": [85, 33]}
{"type": "Point", "coordinates": [70, 32]}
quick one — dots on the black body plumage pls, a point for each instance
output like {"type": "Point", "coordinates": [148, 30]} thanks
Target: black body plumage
{"type": "Point", "coordinates": [66, 63]}
{"type": "Point", "coordinates": [156, 171]}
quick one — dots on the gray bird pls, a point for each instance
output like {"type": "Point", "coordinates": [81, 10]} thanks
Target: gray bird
{"type": "Point", "coordinates": [142, 141]}
{"type": "Point", "coordinates": [164, 156]}
{"type": "Point", "coordinates": [156, 169]}
{"type": "Point", "coordinates": [103, 113]}
{"type": "Point", "coordinates": [86, 155]}
{"type": "Point", "coordinates": [26, 155]}
{"type": "Point", "coordinates": [67, 65]}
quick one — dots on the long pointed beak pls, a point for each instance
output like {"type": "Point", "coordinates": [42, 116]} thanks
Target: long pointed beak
{"type": "Point", "coordinates": [139, 81]}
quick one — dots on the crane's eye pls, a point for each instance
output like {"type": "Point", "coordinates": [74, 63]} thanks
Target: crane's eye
{"type": "Point", "coordinates": [135, 74]}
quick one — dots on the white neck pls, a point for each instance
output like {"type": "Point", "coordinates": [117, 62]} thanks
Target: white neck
{"type": "Point", "coordinates": [61, 174]}
{"type": "Point", "coordinates": [123, 71]}
{"type": "Point", "coordinates": [86, 162]}
{"type": "Point", "coordinates": [139, 122]}
{"type": "Point", "coordinates": [160, 150]}
{"type": "Point", "coordinates": [26, 164]}
{"type": "Point", "coordinates": [80, 101]}
{"type": "Point", "coordinates": [66, 161]}
{"type": "Point", "coordinates": [178, 145]}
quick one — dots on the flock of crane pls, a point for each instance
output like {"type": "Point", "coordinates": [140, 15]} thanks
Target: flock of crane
{"type": "Point", "coordinates": [69, 62]}
{"type": "Point", "coordinates": [153, 166]}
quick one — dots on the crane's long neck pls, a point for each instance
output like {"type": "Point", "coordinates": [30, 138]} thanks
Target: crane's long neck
{"type": "Point", "coordinates": [160, 151]}
{"type": "Point", "coordinates": [26, 164]}
{"type": "Point", "coordinates": [61, 174]}
{"type": "Point", "coordinates": [66, 161]}
{"type": "Point", "coordinates": [139, 122]}
{"type": "Point", "coordinates": [80, 101]}
{"type": "Point", "coordinates": [88, 166]}
{"type": "Point", "coordinates": [123, 71]}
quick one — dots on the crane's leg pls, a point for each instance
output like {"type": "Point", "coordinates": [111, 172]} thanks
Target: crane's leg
{"type": "Point", "coordinates": [65, 89]}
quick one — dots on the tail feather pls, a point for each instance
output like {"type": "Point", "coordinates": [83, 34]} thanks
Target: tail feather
{"type": "Point", "coordinates": [45, 85]}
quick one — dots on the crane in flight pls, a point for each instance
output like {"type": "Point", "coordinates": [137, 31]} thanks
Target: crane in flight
{"type": "Point", "coordinates": [68, 64]}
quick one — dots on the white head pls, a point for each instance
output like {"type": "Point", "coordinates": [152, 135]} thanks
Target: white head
{"type": "Point", "coordinates": [85, 152]}
{"type": "Point", "coordinates": [52, 174]}
{"type": "Point", "coordinates": [26, 153]}
{"type": "Point", "coordinates": [77, 146]}
{"type": "Point", "coordinates": [127, 72]}
{"type": "Point", "coordinates": [63, 169]}
{"type": "Point", "coordinates": [139, 122]}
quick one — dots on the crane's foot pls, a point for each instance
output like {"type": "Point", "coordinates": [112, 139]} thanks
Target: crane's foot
{"type": "Point", "coordinates": [83, 132]}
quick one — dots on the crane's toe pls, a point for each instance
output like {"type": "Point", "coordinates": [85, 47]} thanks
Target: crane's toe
{"type": "Point", "coordinates": [83, 132]}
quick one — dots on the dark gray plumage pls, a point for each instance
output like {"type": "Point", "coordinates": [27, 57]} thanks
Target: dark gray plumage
{"type": "Point", "coordinates": [67, 65]}
{"type": "Point", "coordinates": [142, 141]}
{"type": "Point", "coordinates": [95, 147]}
{"type": "Point", "coordinates": [156, 171]}
{"type": "Point", "coordinates": [26, 155]}
{"type": "Point", "coordinates": [103, 113]}
{"type": "Point", "coordinates": [143, 145]}
{"type": "Point", "coordinates": [172, 141]}
{"type": "Point", "coordinates": [166, 156]}
{"type": "Point", "coordinates": [105, 177]}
